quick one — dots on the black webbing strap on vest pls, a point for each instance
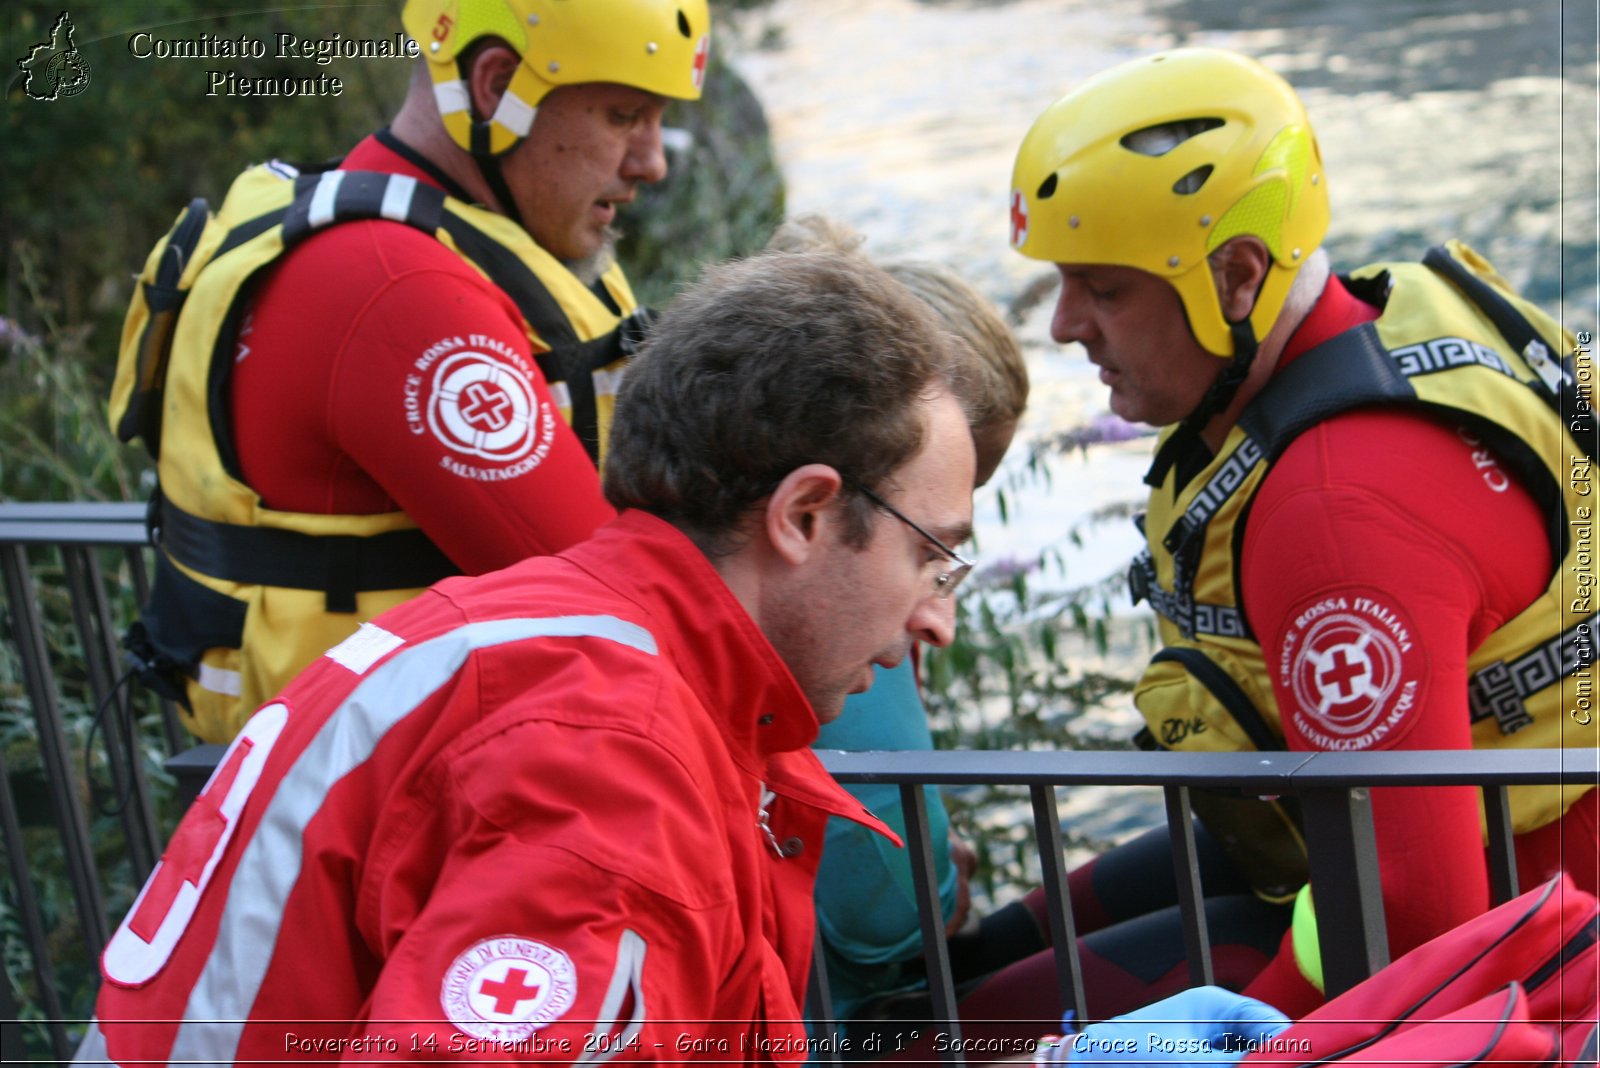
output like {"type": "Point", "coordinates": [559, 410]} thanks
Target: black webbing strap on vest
{"type": "Point", "coordinates": [1355, 370]}
{"type": "Point", "coordinates": [569, 359]}
{"type": "Point", "coordinates": [1348, 371]}
{"type": "Point", "coordinates": [1525, 339]}
{"type": "Point", "coordinates": [340, 565]}
{"type": "Point", "coordinates": [164, 298]}
{"type": "Point", "coordinates": [322, 200]}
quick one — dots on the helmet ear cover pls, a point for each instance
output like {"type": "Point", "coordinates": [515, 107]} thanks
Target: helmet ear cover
{"type": "Point", "coordinates": [658, 46]}
{"type": "Point", "coordinates": [1156, 163]}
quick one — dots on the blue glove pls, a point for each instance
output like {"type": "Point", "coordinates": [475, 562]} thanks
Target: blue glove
{"type": "Point", "coordinates": [1203, 1026]}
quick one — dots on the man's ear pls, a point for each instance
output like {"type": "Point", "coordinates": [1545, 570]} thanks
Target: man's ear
{"type": "Point", "coordinates": [1239, 266]}
{"type": "Point", "coordinates": [793, 519]}
{"type": "Point", "coordinates": [489, 72]}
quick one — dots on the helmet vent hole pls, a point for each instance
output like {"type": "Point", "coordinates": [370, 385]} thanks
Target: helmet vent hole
{"type": "Point", "coordinates": [1159, 140]}
{"type": "Point", "coordinates": [1191, 182]}
{"type": "Point", "coordinates": [683, 23]}
{"type": "Point", "coordinates": [1047, 188]}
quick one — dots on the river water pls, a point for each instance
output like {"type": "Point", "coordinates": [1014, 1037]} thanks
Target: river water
{"type": "Point", "coordinates": [1436, 118]}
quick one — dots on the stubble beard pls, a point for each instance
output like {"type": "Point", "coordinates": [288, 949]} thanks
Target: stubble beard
{"type": "Point", "coordinates": [588, 269]}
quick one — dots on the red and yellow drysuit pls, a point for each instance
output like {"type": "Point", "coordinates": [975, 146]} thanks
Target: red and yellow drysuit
{"type": "Point", "coordinates": [1402, 582]}
{"type": "Point", "coordinates": [354, 411]}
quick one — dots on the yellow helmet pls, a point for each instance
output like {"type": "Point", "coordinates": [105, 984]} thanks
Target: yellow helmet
{"type": "Point", "coordinates": [660, 46]}
{"type": "Point", "coordinates": [1155, 163]}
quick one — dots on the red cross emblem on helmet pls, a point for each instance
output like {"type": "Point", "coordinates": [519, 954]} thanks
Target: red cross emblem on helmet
{"type": "Point", "coordinates": [702, 55]}
{"type": "Point", "coordinates": [1019, 218]}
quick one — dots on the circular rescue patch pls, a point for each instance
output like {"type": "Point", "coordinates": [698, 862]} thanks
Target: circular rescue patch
{"type": "Point", "coordinates": [483, 406]}
{"type": "Point", "coordinates": [1349, 662]}
{"type": "Point", "coordinates": [505, 988]}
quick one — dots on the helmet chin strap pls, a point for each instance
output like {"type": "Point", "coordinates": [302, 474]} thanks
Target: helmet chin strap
{"type": "Point", "coordinates": [494, 177]}
{"type": "Point", "coordinates": [489, 163]}
{"type": "Point", "coordinates": [1218, 396]}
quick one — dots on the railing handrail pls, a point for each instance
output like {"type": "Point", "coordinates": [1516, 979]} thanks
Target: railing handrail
{"type": "Point", "coordinates": [1331, 787]}
{"type": "Point", "coordinates": [1333, 790]}
{"type": "Point", "coordinates": [1266, 773]}
{"type": "Point", "coordinates": [108, 523]}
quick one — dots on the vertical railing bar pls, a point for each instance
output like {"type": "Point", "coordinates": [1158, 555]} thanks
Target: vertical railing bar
{"type": "Point", "coordinates": [941, 985]}
{"type": "Point", "coordinates": [819, 1000]}
{"type": "Point", "coordinates": [92, 616]}
{"type": "Point", "coordinates": [32, 919]}
{"type": "Point", "coordinates": [29, 635]}
{"type": "Point", "coordinates": [1191, 897]}
{"type": "Point", "coordinates": [97, 658]}
{"type": "Point", "coordinates": [178, 739]}
{"type": "Point", "coordinates": [1058, 899]}
{"type": "Point", "coordinates": [1342, 849]}
{"type": "Point", "coordinates": [138, 574]}
{"type": "Point", "coordinates": [12, 1049]}
{"type": "Point", "coordinates": [1503, 883]}
{"type": "Point", "coordinates": [145, 818]}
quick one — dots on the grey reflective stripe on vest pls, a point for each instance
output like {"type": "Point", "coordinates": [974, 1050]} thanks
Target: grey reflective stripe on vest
{"type": "Point", "coordinates": [227, 988]}
{"type": "Point", "coordinates": [321, 200]}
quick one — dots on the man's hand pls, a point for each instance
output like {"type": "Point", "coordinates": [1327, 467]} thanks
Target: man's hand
{"type": "Point", "coordinates": [965, 859]}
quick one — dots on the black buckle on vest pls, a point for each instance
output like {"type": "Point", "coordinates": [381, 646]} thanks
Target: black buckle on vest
{"type": "Point", "coordinates": [155, 670]}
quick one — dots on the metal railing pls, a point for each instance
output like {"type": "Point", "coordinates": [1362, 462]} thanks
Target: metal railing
{"type": "Point", "coordinates": [1333, 790]}
{"type": "Point", "coordinates": [52, 554]}
{"type": "Point", "coordinates": [63, 567]}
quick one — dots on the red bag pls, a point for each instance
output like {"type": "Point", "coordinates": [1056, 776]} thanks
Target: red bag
{"type": "Point", "coordinates": [1518, 985]}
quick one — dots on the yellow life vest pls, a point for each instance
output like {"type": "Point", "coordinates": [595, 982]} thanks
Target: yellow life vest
{"type": "Point", "coordinates": [1451, 339]}
{"type": "Point", "coordinates": [246, 596]}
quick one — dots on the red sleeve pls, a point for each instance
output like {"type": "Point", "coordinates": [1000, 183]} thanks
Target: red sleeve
{"type": "Point", "coordinates": [383, 373]}
{"type": "Point", "coordinates": [548, 914]}
{"type": "Point", "coordinates": [1381, 549]}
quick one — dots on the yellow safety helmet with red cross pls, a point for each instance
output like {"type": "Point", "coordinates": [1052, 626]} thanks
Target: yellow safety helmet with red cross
{"type": "Point", "coordinates": [1157, 162]}
{"type": "Point", "coordinates": [660, 46]}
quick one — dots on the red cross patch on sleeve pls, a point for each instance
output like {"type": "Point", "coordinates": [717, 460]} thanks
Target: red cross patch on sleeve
{"type": "Point", "coordinates": [505, 988]}
{"type": "Point", "coordinates": [475, 396]}
{"type": "Point", "coordinates": [1350, 672]}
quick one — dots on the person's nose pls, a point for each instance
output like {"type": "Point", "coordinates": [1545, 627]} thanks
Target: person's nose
{"type": "Point", "coordinates": [1074, 318]}
{"type": "Point", "coordinates": [934, 620]}
{"type": "Point", "coordinates": [646, 160]}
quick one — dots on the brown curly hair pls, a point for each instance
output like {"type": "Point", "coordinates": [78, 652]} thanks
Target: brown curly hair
{"type": "Point", "coordinates": [765, 365]}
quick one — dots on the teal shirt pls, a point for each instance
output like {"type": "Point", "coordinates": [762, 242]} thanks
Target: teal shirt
{"type": "Point", "coordinates": [866, 906]}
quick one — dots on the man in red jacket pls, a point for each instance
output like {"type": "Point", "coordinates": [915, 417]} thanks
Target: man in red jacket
{"type": "Point", "coordinates": [567, 810]}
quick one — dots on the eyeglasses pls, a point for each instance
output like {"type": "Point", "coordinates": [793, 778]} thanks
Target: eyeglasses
{"type": "Point", "coordinates": [945, 583]}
